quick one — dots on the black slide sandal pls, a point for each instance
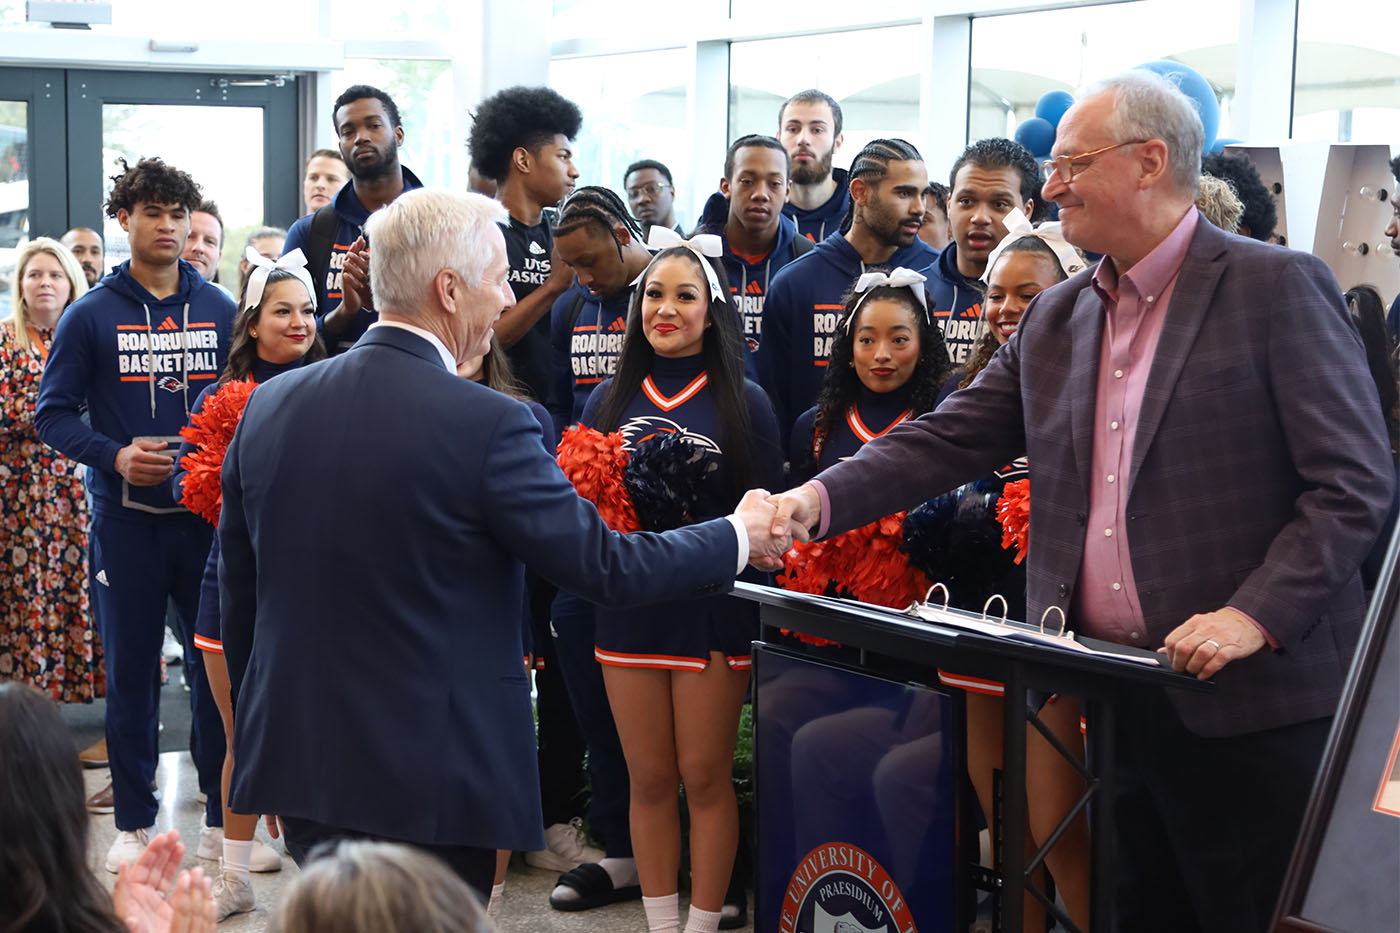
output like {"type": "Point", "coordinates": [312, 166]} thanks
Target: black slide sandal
{"type": "Point", "coordinates": [595, 888]}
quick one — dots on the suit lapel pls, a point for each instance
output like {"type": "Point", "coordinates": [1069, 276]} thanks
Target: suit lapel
{"type": "Point", "coordinates": [1086, 324]}
{"type": "Point", "coordinates": [1190, 301]}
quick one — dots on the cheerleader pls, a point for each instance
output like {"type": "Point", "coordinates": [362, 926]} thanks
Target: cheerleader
{"type": "Point", "coordinates": [274, 331]}
{"type": "Point", "coordinates": [887, 364]}
{"type": "Point", "coordinates": [676, 674]}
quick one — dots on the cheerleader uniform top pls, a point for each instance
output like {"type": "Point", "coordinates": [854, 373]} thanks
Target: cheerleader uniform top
{"type": "Point", "coordinates": [676, 397]}
{"type": "Point", "coordinates": [207, 636]}
{"type": "Point", "coordinates": [869, 416]}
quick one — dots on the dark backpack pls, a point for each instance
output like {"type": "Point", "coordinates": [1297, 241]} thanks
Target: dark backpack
{"type": "Point", "coordinates": [319, 241]}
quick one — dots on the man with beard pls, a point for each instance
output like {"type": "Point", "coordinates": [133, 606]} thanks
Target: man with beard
{"type": "Point", "coordinates": [990, 178]}
{"type": "Point", "coordinates": [651, 194]}
{"type": "Point", "coordinates": [888, 181]}
{"type": "Point", "coordinates": [86, 246]}
{"type": "Point", "coordinates": [337, 252]}
{"type": "Point", "coordinates": [809, 126]}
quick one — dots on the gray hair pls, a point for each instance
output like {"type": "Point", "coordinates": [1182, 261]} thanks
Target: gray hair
{"type": "Point", "coordinates": [360, 886]}
{"type": "Point", "coordinates": [423, 232]}
{"type": "Point", "coordinates": [262, 233]}
{"type": "Point", "coordinates": [1148, 106]}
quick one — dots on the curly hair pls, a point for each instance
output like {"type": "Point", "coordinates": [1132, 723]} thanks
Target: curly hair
{"type": "Point", "coordinates": [1395, 167]}
{"type": "Point", "coordinates": [151, 181]}
{"type": "Point", "coordinates": [998, 152]}
{"type": "Point", "coordinates": [841, 385]}
{"type": "Point", "coordinates": [1219, 204]}
{"type": "Point", "coordinates": [519, 117]}
{"type": "Point", "coordinates": [1260, 213]}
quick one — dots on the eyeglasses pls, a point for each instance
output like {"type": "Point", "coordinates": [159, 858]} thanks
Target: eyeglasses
{"type": "Point", "coordinates": [1064, 166]}
{"type": "Point", "coordinates": [651, 189]}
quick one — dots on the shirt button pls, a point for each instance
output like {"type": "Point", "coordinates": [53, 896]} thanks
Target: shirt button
{"type": "Point", "coordinates": [1108, 532]}
{"type": "Point", "coordinates": [1118, 374]}
{"type": "Point", "coordinates": [1135, 636]}
{"type": "Point", "coordinates": [1149, 299]}
{"type": "Point", "coordinates": [1110, 477]}
{"type": "Point", "coordinates": [1113, 425]}
{"type": "Point", "coordinates": [1117, 587]}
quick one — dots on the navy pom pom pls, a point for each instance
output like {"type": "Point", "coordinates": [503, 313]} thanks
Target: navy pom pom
{"type": "Point", "coordinates": [666, 479]}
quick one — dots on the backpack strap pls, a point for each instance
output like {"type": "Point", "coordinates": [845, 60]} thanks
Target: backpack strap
{"type": "Point", "coordinates": [319, 241]}
{"type": "Point", "coordinates": [575, 309]}
{"type": "Point", "coordinates": [799, 245]}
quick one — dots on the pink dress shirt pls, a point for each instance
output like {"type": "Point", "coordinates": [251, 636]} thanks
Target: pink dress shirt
{"type": "Point", "coordinates": [1135, 305]}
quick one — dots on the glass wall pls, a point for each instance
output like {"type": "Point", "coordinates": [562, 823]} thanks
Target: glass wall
{"type": "Point", "coordinates": [14, 193]}
{"type": "Point", "coordinates": [1018, 57]}
{"type": "Point", "coordinates": [634, 107]}
{"type": "Point", "coordinates": [1346, 79]}
{"type": "Point", "coordinates": [873, 74]}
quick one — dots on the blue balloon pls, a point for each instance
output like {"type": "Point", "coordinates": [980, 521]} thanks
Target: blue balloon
{"type": "Point", "coordinates": [1222, 142]}
{"type": "Point", "coordinates": [1052, 106]}
{"type": "Point", "coordinates": [1038, 135]}
{"type": "Point", "coordinates": [1198, 89]}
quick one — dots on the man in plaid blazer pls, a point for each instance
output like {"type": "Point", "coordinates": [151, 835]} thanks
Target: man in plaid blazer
{"type": "Point", "coordinates": [1208, 466]}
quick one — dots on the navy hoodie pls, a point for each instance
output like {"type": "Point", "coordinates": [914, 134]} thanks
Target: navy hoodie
{"type": "Point", "coordinates": [584, 349]}
{"type": "Point", "coordinates": [138, 364]}
{"type": "Point", "coordinates": [957, 304]}
{"type": "Point", "coordinates": [749, 281]}
{"type": "Point", "coordinates": [799, 319]}
{"type": "Point", "coordinates": [825, 219]}
{"type": "Point", "coordinates": [352, 216]}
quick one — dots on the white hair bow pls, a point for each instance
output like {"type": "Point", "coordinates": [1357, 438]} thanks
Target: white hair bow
{"type": "Point", "coordinates": [702, 245]}
{"type": "Point", "coordinates": [1019, 226]}
{"type": "Point", "coordinates": [294, 262]}
{"type": "Point", "coordinates": [896, 278]}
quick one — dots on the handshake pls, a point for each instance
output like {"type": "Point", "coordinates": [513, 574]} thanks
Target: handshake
{"type": "Point", "coordinates": [774, 521]}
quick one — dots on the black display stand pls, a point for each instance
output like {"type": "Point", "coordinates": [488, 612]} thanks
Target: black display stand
{"type": "Point", "coordinates": [1346, 864]}
{"type": "Point", "coordinates": [889, 643]}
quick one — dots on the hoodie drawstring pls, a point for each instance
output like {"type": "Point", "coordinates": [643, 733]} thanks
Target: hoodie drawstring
{"type": "Point", "coordinates": [151, 358]}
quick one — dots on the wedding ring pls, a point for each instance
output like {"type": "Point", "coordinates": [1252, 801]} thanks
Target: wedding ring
{"type": "Point", "coordinates": [1212, 641]}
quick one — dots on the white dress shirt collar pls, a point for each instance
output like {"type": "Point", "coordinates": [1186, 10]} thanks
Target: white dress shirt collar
{"type": "Point", "coordinates": [438, 345]}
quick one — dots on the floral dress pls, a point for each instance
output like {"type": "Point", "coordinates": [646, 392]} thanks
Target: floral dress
{"type": "Point", "coordinates": [47, 637]}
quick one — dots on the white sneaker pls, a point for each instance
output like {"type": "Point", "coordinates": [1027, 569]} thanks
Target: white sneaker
{"type": "Point", "coordinates": [127, 847]}
{"type": "Point", "coordinates": [565, 849]}
{"type": "Point", "coordinates": [211, 847]}
{"type": "Point", "coordinates": [233, 894]}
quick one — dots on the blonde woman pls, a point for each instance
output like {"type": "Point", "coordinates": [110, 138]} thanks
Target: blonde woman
{"type": "Point", "coordinates": [46, 633]}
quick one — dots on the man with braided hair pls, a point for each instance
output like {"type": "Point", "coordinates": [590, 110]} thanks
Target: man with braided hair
{"type": "Point", "coordinates": [597, 238]}
{"type": "Point", "coordinates": [881, 231]}
{"type": "Point", "coordinates": [522, 139]}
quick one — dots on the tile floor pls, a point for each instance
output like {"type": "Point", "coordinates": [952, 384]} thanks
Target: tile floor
{"type": "Point", "coordinates": [525, 908]}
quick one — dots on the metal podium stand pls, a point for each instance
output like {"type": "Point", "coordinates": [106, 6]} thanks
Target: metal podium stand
{"type": "Point", "coordinates": [888, 640]}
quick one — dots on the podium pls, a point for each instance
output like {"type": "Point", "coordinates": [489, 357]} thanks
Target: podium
{"type": "Point", "coordinates": [904, 653]}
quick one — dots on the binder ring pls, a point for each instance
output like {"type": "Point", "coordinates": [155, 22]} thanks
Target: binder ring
{"type": "Point", "coordinates": [946, 595]}
{"type": "Point", "coordinates": [1048, 610]}
{"type": "Point", "coordinates": [988, 605]}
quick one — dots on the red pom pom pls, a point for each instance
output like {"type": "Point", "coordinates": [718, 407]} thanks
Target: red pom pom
{"type": "Point", "coordinates": [866, 563]}
{"type": "Point", "coordinates": [595, 462]}
{"type": "Point", "coordinates": [1014, 513]}
{"type": "Point", "coordinates": [210, 430]}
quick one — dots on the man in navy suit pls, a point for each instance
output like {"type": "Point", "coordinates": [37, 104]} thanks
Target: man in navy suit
{"type": "Point", "coordinates": [1208, 468]}
{"type": "Point", "coordinates": [377, 514]}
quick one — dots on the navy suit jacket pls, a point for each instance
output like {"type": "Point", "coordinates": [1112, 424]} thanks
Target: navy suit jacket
{"type": "Point", "coordinates": [1260, 473]}
{"type": "Point", "coordinates": [377, 513]}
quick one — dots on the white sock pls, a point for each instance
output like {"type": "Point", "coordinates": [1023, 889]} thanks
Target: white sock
{"type": "Point", "coordinates": [238, 856]}
{"type": "Point", "coordinates": [493, 906]}
{"type": "Point", "coordinates": [702, 921]}
{"type": "Point", "coordinates": [663, 913]}
{"type": "Point", "coordinates": [622, 871]}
